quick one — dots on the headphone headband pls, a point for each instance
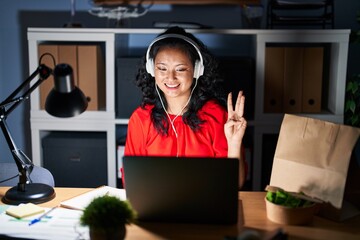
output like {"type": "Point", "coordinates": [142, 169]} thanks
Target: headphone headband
{"type": "Point", "coordinates": [199, 65]}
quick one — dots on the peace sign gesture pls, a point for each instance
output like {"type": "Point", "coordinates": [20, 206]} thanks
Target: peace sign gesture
{"type": "Point", "coordinates": [236, 124]}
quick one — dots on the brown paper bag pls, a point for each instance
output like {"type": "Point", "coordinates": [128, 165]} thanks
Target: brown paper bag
{"type": "Point", "coordinates": [313, 156]}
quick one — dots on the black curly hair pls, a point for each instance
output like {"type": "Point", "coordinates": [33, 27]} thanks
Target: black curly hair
{"type": "Point", "coordinates": [208, 87]}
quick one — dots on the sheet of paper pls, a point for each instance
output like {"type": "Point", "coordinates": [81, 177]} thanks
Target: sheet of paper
{"type": "Point", "coordinates": [81, 201]}
{"type": "Point", "coordinates": [60, 224]}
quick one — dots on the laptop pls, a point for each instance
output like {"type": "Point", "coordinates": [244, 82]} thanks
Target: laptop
{"type": "Point", "coordinates": [183, 189]}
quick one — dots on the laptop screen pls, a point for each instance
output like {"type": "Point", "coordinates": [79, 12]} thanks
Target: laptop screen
{"type": "Point", "coordinates": [182, 189]}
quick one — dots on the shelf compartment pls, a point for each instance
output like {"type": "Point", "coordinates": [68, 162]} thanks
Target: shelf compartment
{"type": "Point", "coordinates": [76, 155]}
{"type": "Point", "coordinates": [294, 79]}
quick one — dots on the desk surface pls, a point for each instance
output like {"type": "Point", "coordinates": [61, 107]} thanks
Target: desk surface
{"type": "Point", "coordinates": [252, 214]}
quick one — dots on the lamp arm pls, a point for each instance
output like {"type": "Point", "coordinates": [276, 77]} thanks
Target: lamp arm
{"type": "Point", "coordinates": [43, 71]}
{"type": "Point", "coordinates": [24, 164]}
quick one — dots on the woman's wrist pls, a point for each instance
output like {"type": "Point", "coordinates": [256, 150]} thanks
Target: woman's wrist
{"type": "Point", "coordinates": [234, 150]}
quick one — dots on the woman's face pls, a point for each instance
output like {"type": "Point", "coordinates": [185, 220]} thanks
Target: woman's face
{"type": "Point", "coordinates": [174, 72]}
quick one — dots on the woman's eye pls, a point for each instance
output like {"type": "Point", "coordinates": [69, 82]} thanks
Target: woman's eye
{"type": "Point", "coordinates": [181, 69]}
{"type": "Point", "coordinates": [161, 69]}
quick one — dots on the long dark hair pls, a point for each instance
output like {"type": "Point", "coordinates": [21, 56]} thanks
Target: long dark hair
{"type": "Point", "coordinates": [208, 85]}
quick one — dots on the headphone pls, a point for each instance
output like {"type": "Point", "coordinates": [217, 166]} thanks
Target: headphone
{"type": "Point", "coordinates": [199, 64]}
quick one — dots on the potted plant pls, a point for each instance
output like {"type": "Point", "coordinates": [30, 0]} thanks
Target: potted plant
{"type": "Point", "coordinates": [107, 217]}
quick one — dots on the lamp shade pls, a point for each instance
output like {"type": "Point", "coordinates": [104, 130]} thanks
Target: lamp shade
{"type": "Point", "coordinates": [65, 99]}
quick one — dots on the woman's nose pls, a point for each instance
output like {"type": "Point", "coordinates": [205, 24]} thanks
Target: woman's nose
{"type": "Point", "coordinates": [171, 75]}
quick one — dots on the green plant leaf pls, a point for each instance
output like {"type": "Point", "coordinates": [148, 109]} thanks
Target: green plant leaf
{"type": "Point", "coordinates": [355, 121]}
{"type": "Point", "coordinates": [347, 106]}
{"type": "Point", "coordinates": [355, 87]}
{"type": "Point", "coordinates": [352, 106]}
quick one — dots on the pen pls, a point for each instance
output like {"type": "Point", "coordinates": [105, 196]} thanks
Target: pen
{"type": "Point", "coordinates": [42, 216]}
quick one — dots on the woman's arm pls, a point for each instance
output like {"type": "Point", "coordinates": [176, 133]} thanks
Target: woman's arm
{"type": "Point", "coordinates": [234, 130]}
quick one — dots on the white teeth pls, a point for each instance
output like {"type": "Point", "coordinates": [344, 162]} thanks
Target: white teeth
{"type": "Point", "coordinates": [172, 85]}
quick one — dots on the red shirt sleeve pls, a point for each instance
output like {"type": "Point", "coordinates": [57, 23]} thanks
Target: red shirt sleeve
{"type": "Point", "coordinates": [215, 117]}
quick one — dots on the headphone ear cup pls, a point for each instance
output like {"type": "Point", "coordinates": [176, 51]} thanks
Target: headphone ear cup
{"type": "Point", "coordinates": [198, 69]}
{"type": "Point", "coordinates": [150, 67]}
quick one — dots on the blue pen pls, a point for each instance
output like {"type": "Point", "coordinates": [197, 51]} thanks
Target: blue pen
{"type": "Point", "coordinates": [42, 216]}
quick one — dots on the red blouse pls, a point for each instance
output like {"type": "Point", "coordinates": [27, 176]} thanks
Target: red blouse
{"type": "Point", "coordinates": [209, 141]}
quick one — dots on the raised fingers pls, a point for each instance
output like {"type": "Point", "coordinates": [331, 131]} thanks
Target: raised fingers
{"type": "Point", "coordinates": [240, 104]}
{"type": "Point", "coordinates": [230, 107]}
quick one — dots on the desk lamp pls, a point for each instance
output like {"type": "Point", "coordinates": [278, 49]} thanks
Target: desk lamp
{"type": "Point", "coordinates": [64, 100]}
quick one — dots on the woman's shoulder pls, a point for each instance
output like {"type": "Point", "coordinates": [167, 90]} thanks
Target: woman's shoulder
{"type": "Point", "coordinates": [142, 113]}
{"type": "Point", "coordinates": [214, 110]}
{"type": "Point", "coordinates": [213, 106]}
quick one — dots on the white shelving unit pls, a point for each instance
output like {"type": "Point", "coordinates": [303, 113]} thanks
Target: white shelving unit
{"type": "Point", "coordinates": [106, 121]}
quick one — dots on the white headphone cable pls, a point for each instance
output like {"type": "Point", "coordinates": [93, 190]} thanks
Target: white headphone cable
{"type": "Point", "coordinates": [168, 115]}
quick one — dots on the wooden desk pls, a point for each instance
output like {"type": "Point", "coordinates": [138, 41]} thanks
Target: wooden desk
{"type": "Point", "coordinates": [252, 214]}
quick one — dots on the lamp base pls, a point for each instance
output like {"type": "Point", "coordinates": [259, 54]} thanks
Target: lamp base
{"type": "Point", "coordinates": [34, 193]}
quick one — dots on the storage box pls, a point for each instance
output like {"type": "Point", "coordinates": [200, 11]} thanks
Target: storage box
{"type": "Point", "coordinates": [76, 159]}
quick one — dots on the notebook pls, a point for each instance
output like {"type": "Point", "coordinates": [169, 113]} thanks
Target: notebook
{"type": "Point", "coordinates": [186, 190]}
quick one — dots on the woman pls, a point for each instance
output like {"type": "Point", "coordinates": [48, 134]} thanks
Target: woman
{"type": "Point", "coordinates": [183, 109]}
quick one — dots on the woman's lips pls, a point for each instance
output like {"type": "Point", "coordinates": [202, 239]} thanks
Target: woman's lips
{"type": "Point", "coordinates": [172, 85]}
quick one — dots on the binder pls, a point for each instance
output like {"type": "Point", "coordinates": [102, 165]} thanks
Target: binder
{"type": "Point", "coordinates": [312, 80]}
{"type": "Point", "coordinates": [293, 76]}
{"type": "Point", "coordinates": [274, 80]}
{"type": "Point", "coordinates": [92, 75]}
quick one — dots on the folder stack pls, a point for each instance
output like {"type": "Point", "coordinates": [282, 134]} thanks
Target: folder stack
{"type": "Point", "coordinates": [293, 79]}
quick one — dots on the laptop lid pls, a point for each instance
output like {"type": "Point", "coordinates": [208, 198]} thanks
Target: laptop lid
{"type": "Point", "coordinates": [182, 189]}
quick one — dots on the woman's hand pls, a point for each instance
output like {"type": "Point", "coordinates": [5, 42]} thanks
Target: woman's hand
{"type": "Point", "coordinates": [236, 124]}
{"type": "Point", "coordinates": [234, 131]}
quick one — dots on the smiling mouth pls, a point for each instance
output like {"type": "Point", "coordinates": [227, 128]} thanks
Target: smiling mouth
{"type": "Point", "coordinates": [172, 85]}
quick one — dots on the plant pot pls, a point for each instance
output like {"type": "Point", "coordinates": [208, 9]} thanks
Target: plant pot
{"type": "Point", "coordinates": [108, 234]}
